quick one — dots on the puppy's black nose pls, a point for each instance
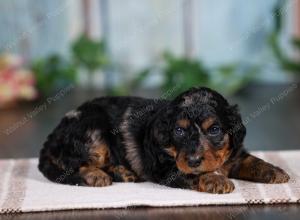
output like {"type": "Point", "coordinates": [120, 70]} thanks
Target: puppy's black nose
{"type": "Point", "coordinates": [194, 161]}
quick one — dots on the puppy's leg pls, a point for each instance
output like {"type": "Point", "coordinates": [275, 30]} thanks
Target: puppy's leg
{"type": "Point", "coordinates": [99, 159]}
{"type": "Point", "coordinates": [93, 176]}
{"type": "Point", "coordinates": [251, 168]}
{"type": "Point", "coordinates": [122, 174]}
{"type": "Point", "coordinates": [208, 182]}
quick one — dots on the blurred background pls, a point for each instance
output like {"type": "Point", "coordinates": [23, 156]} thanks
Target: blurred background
{"type": "Point", "coordinates": [56, 54]}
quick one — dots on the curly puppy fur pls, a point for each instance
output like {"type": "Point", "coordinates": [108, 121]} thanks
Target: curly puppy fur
{"type": "Point", "coordinates": [194, 141]}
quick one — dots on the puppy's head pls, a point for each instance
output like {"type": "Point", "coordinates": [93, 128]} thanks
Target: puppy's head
{"type": "Point", "coordinates": [199, 130]}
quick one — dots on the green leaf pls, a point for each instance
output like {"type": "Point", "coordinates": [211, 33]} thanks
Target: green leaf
{"type": "Point", "coordinates": [53, 72]}
{"type": "Point", "coordinates": [141, 77]}
{"type": "Point", "coordinates": [296, 43]}
{"type": "Point", "coordinates": [89, 53]}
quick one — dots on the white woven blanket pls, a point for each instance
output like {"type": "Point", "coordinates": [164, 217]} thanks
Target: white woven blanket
{"type": "Point", "coordinates": [24, 189]}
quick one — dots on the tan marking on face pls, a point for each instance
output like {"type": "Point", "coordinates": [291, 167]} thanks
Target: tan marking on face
{"type": "Point", "coordinates": [184, 123]}
{"type": "Point", "coordinates": [214, 159]}
{"type": "Point", "coordinates": [171, 151]}
{"type": "Point", "coordinates": [182, 163]}
{"type": "Point", "coordinates": [207, 123]}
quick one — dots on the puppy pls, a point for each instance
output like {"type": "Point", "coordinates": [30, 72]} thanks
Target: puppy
{"type": "Point", "coordinates": [194, 142]}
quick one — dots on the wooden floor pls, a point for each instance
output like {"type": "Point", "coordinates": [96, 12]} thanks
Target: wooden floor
{"type": "Point", "coordinates": [272, 121]}
{"type": "Point", "coordinates": [275, 212]}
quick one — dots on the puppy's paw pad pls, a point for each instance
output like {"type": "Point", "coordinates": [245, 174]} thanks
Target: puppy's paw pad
{"type": "Point", "coordinates": [213, 183]}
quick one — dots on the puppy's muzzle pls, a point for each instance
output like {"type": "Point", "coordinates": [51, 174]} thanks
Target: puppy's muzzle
{"type": "Point", "coordinates": [194, 161]}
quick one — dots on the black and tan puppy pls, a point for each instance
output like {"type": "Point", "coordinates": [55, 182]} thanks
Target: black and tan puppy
{"type": "Point", "coordinates": [194, 141]}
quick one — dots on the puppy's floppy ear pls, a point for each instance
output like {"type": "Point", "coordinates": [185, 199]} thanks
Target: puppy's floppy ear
{"type": "Point", "coordinates": [235, 126]}
{"type": "Point", "coordinates": [156, 137]}
{"type": "Point", "coordinates": [231, 117]}
{"type": "Point", "coordinates": [161, 125]}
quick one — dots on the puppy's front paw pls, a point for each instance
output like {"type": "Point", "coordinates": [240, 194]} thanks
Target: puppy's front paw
{"type": "Point", "coordinates": [275, 175]}
{"type": "Point", "coordinates": [120, 173]}
{"type": "Point", "coordinates": [213, 183]}
{"type": "Point", "coordinates": [95, 177]}
{"type": "Point", "coordinates": [98, 179]}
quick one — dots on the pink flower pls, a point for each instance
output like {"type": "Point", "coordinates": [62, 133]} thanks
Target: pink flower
{"type": "Point", "coordinates": [16, 83]}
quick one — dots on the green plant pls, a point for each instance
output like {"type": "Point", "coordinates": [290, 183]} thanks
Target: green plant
{"type": "Point", "coordinates": [176, 70]}
{"type": "Point", "coordinates": [286, 63]}
{"type": "Point", "coordinates": [184, 73]}
{"type": "Point", "coordinates": [89, 53]}
{"type": "Point", "coordinates": [53, 72]}
{"type": "Point", "coordinates": [230, 78]}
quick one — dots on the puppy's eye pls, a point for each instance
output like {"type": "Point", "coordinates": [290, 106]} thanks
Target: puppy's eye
{"type": "Point", "coordinates": [214, 130]}
{"type": "Point", "coordinates": [179, 131]}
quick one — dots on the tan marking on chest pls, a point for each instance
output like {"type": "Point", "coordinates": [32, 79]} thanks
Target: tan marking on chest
{"type": "Point", "coordinates": [99, 153]}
